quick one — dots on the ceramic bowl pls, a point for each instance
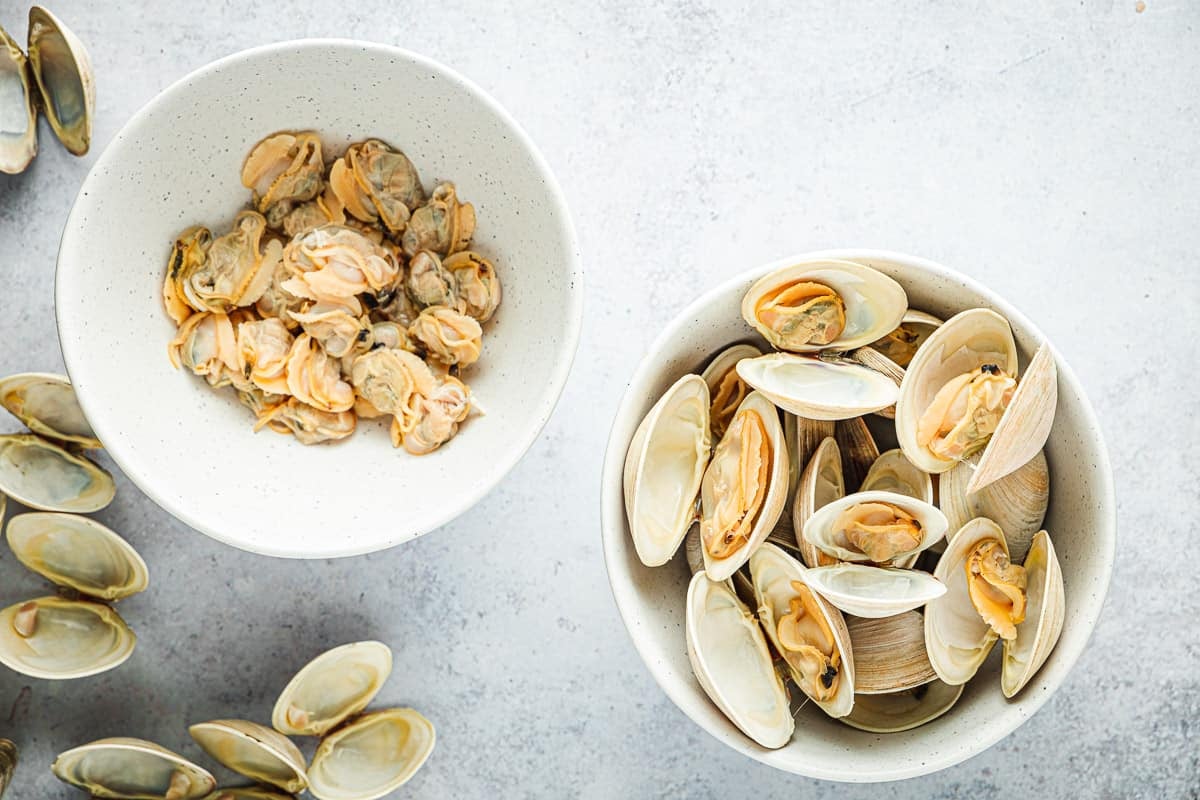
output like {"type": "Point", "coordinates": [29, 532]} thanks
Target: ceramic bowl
{"type": "Point", "coordinates": [178, 163]}
{"type": "Point", "coordinates": [1081, 520]}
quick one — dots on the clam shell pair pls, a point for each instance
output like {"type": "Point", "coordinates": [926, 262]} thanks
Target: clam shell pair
{"type": "Point", "coordinates": [55, 77]}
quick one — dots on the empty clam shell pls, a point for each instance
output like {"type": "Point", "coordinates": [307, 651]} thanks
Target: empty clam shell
{"type": "Point", "coordinates": [371, 756]}
{"type": "Point", "coordinates": [821, 483]}
{"type": "Point", "coordinates": [253, 750]}
{"type": "Point", "coordinates": [664, 467]}
{"type": "Point", "coordinates": [893, 472]}
{"type": "Point", "coordinates": [874, 592]}
{"type": "Point", "coordinates": [778, 581]}
{"type": "Point", "coordinates": [42, 475]}
{"type": "Point", "coordinates": [18, 116]}
{"type": "Point", "coordinates": [902, 711]}
{"type": "Point", "coordinates": [956, 637]}
{"type": "Point", "coordinates": [735, 517]}
{"type": "Point", "coordinates": [331, 688]}
{"type": "Point", "coordinates": [8, 763]}
{"type": "Point", "coordinates": [1045, 607]}
{"type": "Point", "coordinates": [58, 639]}
{"type": "Point", "coordinates": [818, 388]}
{"type": "Point", "coordinates": [135, 769]}
{"type": "Point", "coordinates": [731, 661]}
{"type": "Point", "coordinates": [862, 305]}
{"type": "Point", "coordinates": [77, 552]}
{"type": "Point", "coordinates": [47, 405]}
{"type": "Point", "coordinates": [889, 654]}
{"type": "Point", "coordinates": [825, 532]}
{"type": "Point", "coordinates": [60, 65]}
{"type": "Point", "coordinates": [247, 793]}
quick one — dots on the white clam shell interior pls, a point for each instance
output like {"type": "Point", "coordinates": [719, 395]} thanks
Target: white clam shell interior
{"type": "Point", "coordinates": [902, 711]}
{"type": "Point", "coordinates": [731, 661]}
{"type": "Point", "coordinates": [874, 592]}
{"type": "Point", "coordinates": [71, 639]}
{"type": "Point", "coordinates": [131, 768]}
{"type": "Point", "coordinates": [893, 472]}
{"type": "Point", "coordinates": [664, 468]}
{"type": "Point", "coordinates": [78, 552]}
{"type": "Point", "coordinates": [371, 755]}
{"type": "Point", "coordinates": [332, 687]}
{"type": "Point", "coordinates": [820, 532]}
{"type": "Point", "coordinates": [44, 476]}
{"type": "Point", "coordinates": [816, 388]}
{"type": "Point", "coordinates": [253, 750]}
{"type": "Point", "coordinates": [46, 404]}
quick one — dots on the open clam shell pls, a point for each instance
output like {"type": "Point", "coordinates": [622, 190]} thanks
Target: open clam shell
{"type": "Point", "coordinates": [956, 636]}
{"type": "Point", "coordinates": [731, 661]}
{"type": "Point", "coordinates": [248, 793]}
{"type": "Point", "coordinates": [42, 475]}
{"type": "Point", "coordinates": [819, 388]}
{"type": "Point", "coordinates": [1044, 611]}
{"type": "Point", "coordinates": [8, 763]}
{"type": "Point", "coordinates": [889, 654]}
{"type": "Point", "coordinates": [774, 574]}
{"type": "Point", "coordinates": [371, 756]}
{"type": "Point", "coordinates": [902, 711]}
{"type": "Point", "coordinates": [1017, 502]}
{"type": "Point", "coordinates": [893, 472]}
{"type": "Point", "coordinates": [63, 71]}
{"type": "Point", "coordinates": [823, 531]}
{"type": "Point", "coordinates": [332, 687]}
{"type": "Point", "coordinates": [874, 592]}
{"type": "Point", "coordinates": [872, 304]}
{"type": "Point", "coordinates": [821, 483]}
{"type": "Point", "coordinates": [46, 404]}
{"type": "Point", "coordinates": [664, 467]}
{"type": "Point", "coordinates": [726, 387]}
{"type": "Point", "coordinates": [18, 117]}
{"type": "Point", "coordinates": [130, 768]}
{"type": "Point", "coordinates": [253, 750]}
{"type": "Point", "coordinates": [725, 470]}
{"type": "Point", "coordinates": [79, 553]}
{"type": "Point", "coordinates": [58, 639]}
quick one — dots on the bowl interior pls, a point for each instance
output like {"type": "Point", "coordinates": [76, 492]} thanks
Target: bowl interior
{"type": "Point", "coordinates": [1080, 520]}
{"type": "Point", "coordinates": [177, 163]}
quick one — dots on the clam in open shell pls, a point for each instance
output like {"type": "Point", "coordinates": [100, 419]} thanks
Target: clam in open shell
{"type": "Point", "coordinates": [875, 526]}
{"type": "Point", "coordinates": [132, 769]}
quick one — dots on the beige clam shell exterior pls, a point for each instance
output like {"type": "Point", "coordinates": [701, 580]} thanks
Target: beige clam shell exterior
{"type": "Point", "coordinates": [17, 151]}
{"type": "Point", "coordinates": [966, 341]}
{"type": "Point", "coordinates": [1017, 502]}
{"type": "Point", "coordinates": [124, 767]}
{"type": "Point", "coordinates": [46, 404]}
{"type": "Point", "coordinates": [729, 654]}
{"type": "Point", "coordinates": [889, 653]}
{"type": "Point", "coordinates": [49, 40]}
{"type": "Point", "coordinates": [664, 467]}
{"type": "Point", "coordinates": [956, 637]}
{"type": "Point", "coordinates": [77, 552]}
{"type": "Point", "coordinates": [821, 483]}
{"type": "Point", "coordinates": [874, 303]}
{"type": "Point", "coordinates": [253, 750]}
{"type": "Point", "coordinates": [1045, 609]}
{"type": "Point", "coordinates": [903, 711]}
{"type": "Point", "coordinates": [70, 639]}
{"type": "Point", "coordinates": [776, 496]}
{"type": "Point", "coordinates": [331, 688]}
{"type": "Point", "coordinates": [772, 572]}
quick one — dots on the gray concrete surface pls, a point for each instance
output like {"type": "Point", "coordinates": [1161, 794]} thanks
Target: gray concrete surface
{"type": "Point", "coordinates": [1049, 149]}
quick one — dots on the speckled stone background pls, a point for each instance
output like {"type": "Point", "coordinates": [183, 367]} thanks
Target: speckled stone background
{"type": "Point", "coordinates": [1048, 149]}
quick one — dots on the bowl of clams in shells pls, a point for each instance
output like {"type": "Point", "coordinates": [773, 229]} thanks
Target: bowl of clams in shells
{"type": "Point", "coordinates": [318, 298]}
{"type": "Point", "coordinates": [858, 515]}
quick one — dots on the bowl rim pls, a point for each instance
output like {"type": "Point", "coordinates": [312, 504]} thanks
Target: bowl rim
{"type": "Point", "coordinates": [613, 530]}
{"type": "Point", "coordinates": [564, 357]}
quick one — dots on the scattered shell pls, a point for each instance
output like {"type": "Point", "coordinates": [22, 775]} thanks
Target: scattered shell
{"type": "Point", "coordinates": [79, 553]}
{"type": "Point", "coordinates": [253, 750]}
{"type": "Point", "coordinates": [371, 755]}
{"type": "Point", "coordinates": [42, 475]}
{"type": "Point", "coordinates": [60, 65]}
{"type": "Point", "coordinates": [331, 688]}
{"type": "Point", "coordinates": [58, 639]}
{"type": "Point", "coordinates": [130, 768]}
{"type": "Point", "coordinates": [46, 404]}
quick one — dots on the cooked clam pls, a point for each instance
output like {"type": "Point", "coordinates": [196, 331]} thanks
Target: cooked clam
{"type": "Point", "coordinates": [79, 553]}
{"type": "Point", "coordinates": [47, 405]}
{"type": "Point", "coordinates": [443, 225]}
{"type": "Point", "coordinates": [232, 271]}
{"type": "Point", "coordinates": [371, 755]}
{"type": "Point", "coordinates": [875, 526]}
{"type": "Point", "coordinates": [744, 488]}
{"type": "Point", "coordinates": [889, 653]}
{"type": "Point", "coordinates": [283, 171]}
{"type": "Point", "coordinates": [335, 261]}
{"type": "Point", "coordinates": [42, 475]}
{"type": "Point", "coordinates": [902, 344]}
{"type": "Point", "coordinates": [725, 387]}
{"type": "Point", "coordinates": [55, 638]}
{"type": "Point", "coordinates": [902, 711]}
{"type": "Point", "coordinates": [664, 467]}
{"type": "Point", "coordinates": [476, 282]}
{"type": "Point", "coordinates": [377, 184]}
{"type": "Point", "coordinates": [818, 388]}
{"type": "Point", "coordinates": [253, 750]}
{"type": "Point", "coordinates": [873, 592]}
{"type": "Point", "coordinates": [806, 631]}
{"type": "Point", "coordinates": [18, 114]}
{"type": "Point", "coordinates": [134, 769]}
{"type": "Point", "coordinates": [331, 688]}
{"type": "Point", "coordinates": [449, 336]}
{"type": "Point", "coordinates": [730, 659]}
{"type": "Point", "coordinates": [429, 283]}
{"type": "Point", "coordinates": [824, 304]}
{"type": "Point", "coordinates": [1017, 502]}
{"type": "Point", "coordinates": [60, 65]}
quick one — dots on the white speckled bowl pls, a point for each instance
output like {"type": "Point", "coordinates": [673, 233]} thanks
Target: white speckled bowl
{"type": "Point", "coordinates": [1081, 520]}
{"type": "Point", "coordinates": [177, 163]}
